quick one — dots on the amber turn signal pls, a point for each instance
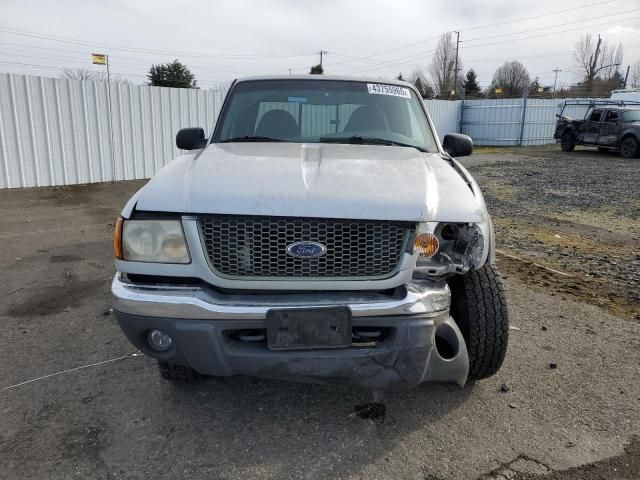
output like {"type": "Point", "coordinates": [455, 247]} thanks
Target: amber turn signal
{"type": "Point", "coordinates": [426, 244]}
{"type": "Point", "coordinates": [117, 239]}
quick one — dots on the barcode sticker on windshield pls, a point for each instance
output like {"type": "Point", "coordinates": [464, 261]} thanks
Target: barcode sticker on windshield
{"type": "Point", "coordinates": [380, 89]}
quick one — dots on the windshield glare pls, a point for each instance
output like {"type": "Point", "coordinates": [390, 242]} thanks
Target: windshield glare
{"type": "Point", "coordinates": [313, 111]}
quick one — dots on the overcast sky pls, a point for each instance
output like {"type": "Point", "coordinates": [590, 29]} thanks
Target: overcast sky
{"type": "Point", "coordinates": [220, 41]}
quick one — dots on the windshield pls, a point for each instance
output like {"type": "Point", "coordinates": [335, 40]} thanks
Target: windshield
{"type": "Point", "coordinates": [631, 116]}
{"type": "Point", "coordinates": [324, 111]}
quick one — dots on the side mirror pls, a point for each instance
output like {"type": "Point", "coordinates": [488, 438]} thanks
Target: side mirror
{"type": "Point", "coordinates": [457, 145]}
{"type": "Point", "coordinates": [190, 139]}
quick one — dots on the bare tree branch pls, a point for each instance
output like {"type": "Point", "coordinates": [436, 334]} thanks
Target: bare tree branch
{"type": "Point", "coordinates": [512, 77]}
{"type": "Point", "coordinates": [91, 75]}
{"type": "Point", "coordinates": [594, 62]}
{"type": "Point", "coordinates": [443, 65]}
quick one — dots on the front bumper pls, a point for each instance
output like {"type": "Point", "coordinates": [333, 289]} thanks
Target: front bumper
{"type": "Point", "coordinates": [421, 342]}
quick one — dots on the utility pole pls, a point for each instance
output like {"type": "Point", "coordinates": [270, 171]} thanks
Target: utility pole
{"type": "Point", "coordinates": [455, 71]}
{"type": "Point", "coordinates": [321, 52]}
{"type": "Point", "coordinates": [555, 81]}
{"type": "Point", "coordinates": [113, 157]}
{"type": "Point", "coordinates": [103, 59]}
{"type": "Point", "coordinates": [289, 71]}
{"type": "Point", "coordinates": [626, 77]}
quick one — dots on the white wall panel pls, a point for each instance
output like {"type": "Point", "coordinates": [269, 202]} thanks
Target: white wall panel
{"type": "Point", "coordinates": [58, 132]}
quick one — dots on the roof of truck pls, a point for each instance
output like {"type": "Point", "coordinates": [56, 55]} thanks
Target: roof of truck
{"type": "Point", "coordinates": [343, 78]}
{"type": "Point", "coordinates": [616, 107]}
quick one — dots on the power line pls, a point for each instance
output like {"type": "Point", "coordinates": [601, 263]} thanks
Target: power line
{"type": "Point", "coordinates": [581, 7]}
{"type": "Point", "coordinates": [388, 63]}
{"type": "Point", "coordinates": [480, 27]}
{"type": "Point", "coordinates": [550, 34]}
{"type": "Point", "coordinates": [550, 26]}
{"type": "Point", "coordinates": [117, 60]}
{"type": "Point", "coordinates": [73, 41]}
{"type": "Point", "coordinates": [392, 62]}
{"type": "Point", "coordinates": [396, 49]}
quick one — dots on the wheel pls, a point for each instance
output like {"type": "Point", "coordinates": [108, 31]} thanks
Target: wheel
{"type": "Point", "coordinates": [629, 148]}
{"type": "Point", "coordinates": [479, 307]}
{"type": "Point", "coordinates": [178, 373]}
{"type": "Point", "coordinates": [568, 142]}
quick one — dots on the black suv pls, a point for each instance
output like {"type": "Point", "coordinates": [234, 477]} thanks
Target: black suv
{"type": "Point", "coordinates": [607, 125]}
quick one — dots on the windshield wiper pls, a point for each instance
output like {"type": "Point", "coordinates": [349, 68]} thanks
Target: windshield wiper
{"type": "Point", "coordinates": [252, 138]}
{"type": "Point", "coordinates": [359, 140]}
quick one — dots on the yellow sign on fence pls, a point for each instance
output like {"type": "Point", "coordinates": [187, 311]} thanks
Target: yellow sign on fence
{"type": "Point", "coordinates": [498, 90]}
{"type": "Point", "coordinates": [98, 59]}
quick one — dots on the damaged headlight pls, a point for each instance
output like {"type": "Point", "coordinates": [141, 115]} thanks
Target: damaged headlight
{"type": "Point", "coordinates": [460, 248]}
{"type": "Point", "coordinates": [160, 241]}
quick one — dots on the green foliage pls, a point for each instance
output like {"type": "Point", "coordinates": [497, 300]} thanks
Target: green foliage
{"type": "Point", "coordinates": [470, 85]}
{"type": "Point", "coordinates": [317, 70]}
{"type": "Point", "coordinates": [174, 75]}
{"type": "Point", "coordinates": [400, 77]}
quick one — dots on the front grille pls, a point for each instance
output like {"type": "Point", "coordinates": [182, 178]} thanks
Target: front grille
{"type": "Point", "coordinates": [246, 246]}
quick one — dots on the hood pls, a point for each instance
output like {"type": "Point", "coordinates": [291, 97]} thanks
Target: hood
{"type": "Point", "coordinates": [313, 180]}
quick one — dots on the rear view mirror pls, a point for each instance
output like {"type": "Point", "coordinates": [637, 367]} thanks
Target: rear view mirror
{"type": "Point", "coordinates": [457, 144]}
{"type": "Point", "coordinates": [190, 138]}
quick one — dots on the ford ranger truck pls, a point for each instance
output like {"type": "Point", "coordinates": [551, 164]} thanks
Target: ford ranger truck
{"type": "Point", "coordinates": [320, 233]}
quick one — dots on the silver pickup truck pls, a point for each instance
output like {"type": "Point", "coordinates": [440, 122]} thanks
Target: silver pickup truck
{"type": "Point", "coordinates": [320, 233]}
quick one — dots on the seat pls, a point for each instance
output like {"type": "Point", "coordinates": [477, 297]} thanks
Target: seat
{"type": "Point", "coordinates": [277, 124]}
{"type": "Point", "coordinates": [367, 117]}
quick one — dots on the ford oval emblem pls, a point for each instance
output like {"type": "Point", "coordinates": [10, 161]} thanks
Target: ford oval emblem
{"type": "Point", "coordinates": [306, 249]}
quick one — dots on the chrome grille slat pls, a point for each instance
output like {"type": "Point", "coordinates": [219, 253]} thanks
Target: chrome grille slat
{"type": "Point", "coordinates": [248, 246]}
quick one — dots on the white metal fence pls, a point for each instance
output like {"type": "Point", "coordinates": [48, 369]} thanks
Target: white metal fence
{"type": "Point", "coordinates": [58, 132]}
{"type": "Point", "coordinates": [513, 121]}
{"type": "Point", "coordinates": [445, 115]}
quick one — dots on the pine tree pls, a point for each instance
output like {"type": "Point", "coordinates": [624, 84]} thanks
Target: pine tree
{"type": "Point", "coordinates": [317, 70]}
{"type": "Point", "coordinates": [426, 90]}
{"type": "Point", "coordinates": [174, 75]}
{"type": "Point", "coordinates": [400, 77]}
{"type": "Point", "coordinates": [470, 84]}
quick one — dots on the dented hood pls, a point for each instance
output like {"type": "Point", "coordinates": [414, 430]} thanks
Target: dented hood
{"type": "Point", "coordinates": [313, 180]}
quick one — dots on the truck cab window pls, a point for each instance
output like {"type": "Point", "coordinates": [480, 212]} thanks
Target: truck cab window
{"type": "Point", "coordinates": [611, 117]}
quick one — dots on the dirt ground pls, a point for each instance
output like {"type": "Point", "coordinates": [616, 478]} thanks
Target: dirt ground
{"type": "Point", "coordinates": [577, 213]}
{"type": "Point", "coordinates": [566, 226]}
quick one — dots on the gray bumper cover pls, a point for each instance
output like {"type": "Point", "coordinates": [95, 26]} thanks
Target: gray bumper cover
{"type": "Point", "coordinates": [199, 319]}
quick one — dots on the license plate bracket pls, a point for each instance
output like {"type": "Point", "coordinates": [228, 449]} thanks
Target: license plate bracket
{"type": "Point", "coordinates": [308, 328]}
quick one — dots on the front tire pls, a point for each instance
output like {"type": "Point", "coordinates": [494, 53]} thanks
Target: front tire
{"type": "Point", "coordinates": [479, 307]}
{"type": "Point", "coordinates": [568, 142]}
{"type": "Point", "coordinates": [630, 148]}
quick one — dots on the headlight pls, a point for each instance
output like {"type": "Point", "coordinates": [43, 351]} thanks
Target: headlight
{"type": "Point", "coordinates": [160, 241]}
{"type": "Point", "coordinates": [460, 246]}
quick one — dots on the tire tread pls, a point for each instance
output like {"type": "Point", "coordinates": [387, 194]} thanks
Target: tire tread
{"type": "Point", "coordinates": [479, 307]}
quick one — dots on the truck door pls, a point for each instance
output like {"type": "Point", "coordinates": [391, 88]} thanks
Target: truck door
{"type": "Point", "coordinates": [610, 129]}
{"type": "Point", "coordinates": [591, 127]}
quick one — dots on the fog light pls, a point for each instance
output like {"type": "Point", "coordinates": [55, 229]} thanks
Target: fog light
{"type": "Point", "coordinates": [159, 340]}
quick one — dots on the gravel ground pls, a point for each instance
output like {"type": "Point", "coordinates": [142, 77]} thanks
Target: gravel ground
{"type": "Point", "coordinates": [578, 213]}
{"type": "Point", "coordinates": [579, 420]}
